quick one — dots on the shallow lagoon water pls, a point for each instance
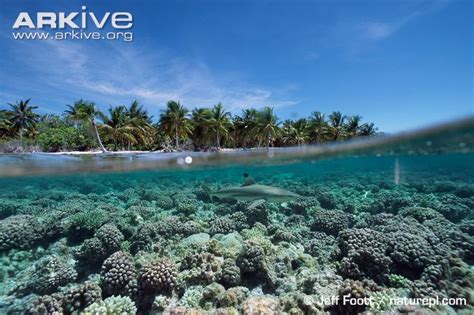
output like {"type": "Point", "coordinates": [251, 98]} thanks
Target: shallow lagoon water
{"type": "Point", "coordinates": [380, 220]}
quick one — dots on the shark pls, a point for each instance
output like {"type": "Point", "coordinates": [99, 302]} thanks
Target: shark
{"type": "Point", "coordinates": [252, 192]}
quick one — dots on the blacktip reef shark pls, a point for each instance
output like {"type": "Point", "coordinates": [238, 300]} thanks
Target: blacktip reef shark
{"type": "Point", "coordinates": [251, 191]}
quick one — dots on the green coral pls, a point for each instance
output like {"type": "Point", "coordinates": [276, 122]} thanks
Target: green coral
{"type": "Point", "coordinates": [257, 231]}
{"type": "Point", "coordinates": [87, 220]}
{"type": "Point", "coordinates": [192, 296]}
{"type": "Point", "coordinates": [114, 305]}
{"type": "Point", "coordinates": [398, 281]}
{"type": "Point", "coordinates": [187, 206]}
{"type": "Point", "coordinates": [381, 300]}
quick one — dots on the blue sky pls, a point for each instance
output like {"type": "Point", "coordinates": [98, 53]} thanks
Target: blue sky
{"type": "Point", "coordinates": [400, 64]}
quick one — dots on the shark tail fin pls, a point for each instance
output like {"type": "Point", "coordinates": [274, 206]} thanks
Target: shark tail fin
{"type": "Point", "coordinates": [207, 190]}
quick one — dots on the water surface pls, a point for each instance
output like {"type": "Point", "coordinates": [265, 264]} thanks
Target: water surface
{"type": "Point", "coordinates": [383, 219]}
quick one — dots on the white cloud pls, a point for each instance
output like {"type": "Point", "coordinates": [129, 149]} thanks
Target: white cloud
{"type": "Point", "coordinates": [114, 74]}
{"type": "Point", "coordinates": [379, 30]}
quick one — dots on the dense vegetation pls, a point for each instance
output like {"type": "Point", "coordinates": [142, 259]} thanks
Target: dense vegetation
{"type": "Point", "coordinates": [83, 127]}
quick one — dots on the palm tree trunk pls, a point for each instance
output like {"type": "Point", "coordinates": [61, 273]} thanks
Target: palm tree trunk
{"type": "Point", "coordinates": [177, 139]}
{"type": "Point", "coordinates": [98, 136]}
{"type": "Point", "coordinates": [234, 143]}
{"type": "Point", "coordinates": [217, 140]}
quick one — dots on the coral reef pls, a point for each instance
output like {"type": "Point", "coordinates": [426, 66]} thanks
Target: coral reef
{"type": "Point", "coordinates": [200, 268]}
{"type": "Point", "coordinates": [45, 304]}
{"type": "Point", "coordinates": [158, 277]}
{"type": "Point", "coordinates": [145, 243]}
{"type": "Point", "coordinates": [20, 231]}
{"type": "Point", "coordinates": [111, 306]}
{"type": "Point", "coordinates": [261, 305]}
{"type": "Point", "coordinates": [48, 274]}
{"type": "Point", "coordinates": [78, 298]}
{"type": "Point", "coordinates": [363, 254]}
{"type": "Point", "coordinates": [252, 259]}
{"type": "Point", "coordinates": [355, 289]}
{"type": "Point", "coordinates": [119, 274]}
{"type": "Point", "coordinates": [331, 221]}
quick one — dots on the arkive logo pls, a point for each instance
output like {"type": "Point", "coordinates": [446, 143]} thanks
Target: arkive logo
{"type": "Point", "coordinates": [74, 20]}
{"type": "Point", "coordinates": [83, 25]}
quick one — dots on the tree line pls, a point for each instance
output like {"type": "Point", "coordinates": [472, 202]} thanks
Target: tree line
{"type": "Point", "coordinates": [82, 126]}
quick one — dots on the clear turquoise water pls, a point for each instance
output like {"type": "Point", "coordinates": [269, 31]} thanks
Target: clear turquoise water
{"type": "Point", "coordinates": [383, 218]}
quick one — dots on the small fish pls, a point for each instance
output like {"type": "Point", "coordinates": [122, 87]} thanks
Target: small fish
{"type": "Point", "coordinates": [251, 191]}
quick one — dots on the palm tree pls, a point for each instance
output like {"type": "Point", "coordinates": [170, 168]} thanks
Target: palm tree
{"type": "Point", "coordinates": [288, 132]}
{"type": "Point", "coordinates": [353, 125]}
{"type": "Point", "coordinates": [5, 126]}
{"type": "Point", "coordinates": [268, 125]}
{"type": "Point", "coordinates": [139, 118]}
{"type": "Point", "coordinates": [22, 117]}
{"type": "Point", "coordinates": [201, 119]}
{"type": "Point", "coordinates": [220, 122]}
{"type": "Point", "coordinates": [295, 132]}
{"type": "Point", "coordinates": [118, 127]}
{"type": "Point", "coordinates": [368, 129]}
{"type": "Point", "coordinates": [336, 119]}
{"type": "Point", "coordinates": [237, 131]}
{"type": "Point", "coordinates": [51, 120]}
{"type": "Point", "coordinates": [245, 127]}
{"type": "Point", "coordinates": [317, 127]}
{"type": "Point", "coordinates": [174, 120]}
{"type": "Point", "coordinates": [84, 112]}
{"type": "Point", "coordinates": [300, 133]}
{"type": "Point", "coordinates": [136, 111]}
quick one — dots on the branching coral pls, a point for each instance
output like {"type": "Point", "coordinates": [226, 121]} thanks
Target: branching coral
{"type": "Point", "coordinates": [111, 306]}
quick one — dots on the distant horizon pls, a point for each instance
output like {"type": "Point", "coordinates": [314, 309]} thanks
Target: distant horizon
{"type": "Point", "coordinates": [402, 66]}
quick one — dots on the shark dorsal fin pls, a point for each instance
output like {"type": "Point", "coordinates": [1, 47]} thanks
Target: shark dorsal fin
{"type": "Point", "coordinates": [248, 180]}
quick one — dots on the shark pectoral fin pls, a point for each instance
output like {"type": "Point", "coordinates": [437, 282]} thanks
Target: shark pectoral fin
{"type": "Point", "coordinates": [248, 180]}
{"type": "Point", "coordinates": [256, 203]}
